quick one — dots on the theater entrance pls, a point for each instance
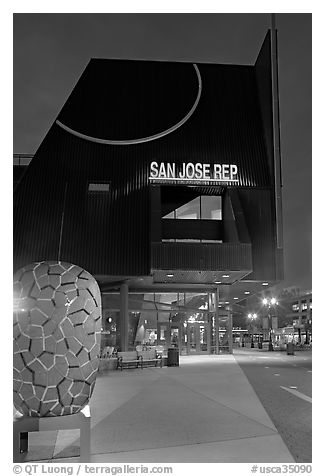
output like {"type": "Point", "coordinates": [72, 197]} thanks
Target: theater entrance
{"type": "Point", "coordinates": [163, 320]}
{"type": "Point", "coordinates": [191, 338]}
{"type": "Point", "coordinates": [169, 334]}
{"type": "Point", "coordinates": [198, 338]}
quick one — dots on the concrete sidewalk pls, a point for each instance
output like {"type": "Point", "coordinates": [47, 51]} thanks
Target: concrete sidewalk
{"type": "Point", "coordinates": [204, 411]}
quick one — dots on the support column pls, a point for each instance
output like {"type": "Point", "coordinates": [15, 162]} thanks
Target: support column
{"type": "Point", "coordinates": [124, 316]}
{"type": "Point", "coordinates": [276, 134]}
{"type": "Point", "coordinates": [299, 321]}
{"type": "Point", "coordinates": [230, 337]}
{"type": "Point", "coordinates": [216, 319]}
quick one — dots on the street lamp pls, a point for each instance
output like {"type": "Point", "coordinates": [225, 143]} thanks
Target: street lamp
{"type": "Point", "coordinates": [252, 317]}
{"type": "Point", "coordinates": [269, 303]}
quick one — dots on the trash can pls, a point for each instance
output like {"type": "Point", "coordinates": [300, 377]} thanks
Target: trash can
{"type": "Point", "coordinates": [173, 357]}
{"type": "Point", "coordinates": [290, 349]}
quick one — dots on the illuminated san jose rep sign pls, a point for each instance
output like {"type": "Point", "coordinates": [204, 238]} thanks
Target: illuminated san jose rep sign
{"type": "Point", "coordinates": [193, 172]}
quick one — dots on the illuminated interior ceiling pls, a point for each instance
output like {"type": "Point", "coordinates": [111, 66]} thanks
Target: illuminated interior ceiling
{"type": "Point", "coordinates": [231, 292]}
{"type": "Point", "coordinates": [198, 277]}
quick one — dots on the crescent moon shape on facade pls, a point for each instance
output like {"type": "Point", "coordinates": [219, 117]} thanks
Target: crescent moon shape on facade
{"type": "Point", "coordinates": [142, 139]}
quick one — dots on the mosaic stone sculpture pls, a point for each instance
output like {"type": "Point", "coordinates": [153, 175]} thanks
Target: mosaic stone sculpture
{"type": "Point", "coordinates": [57, 325]}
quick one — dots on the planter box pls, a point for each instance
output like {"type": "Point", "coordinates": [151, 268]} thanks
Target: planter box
{"type": "Point", "coordinates": [107, 364]}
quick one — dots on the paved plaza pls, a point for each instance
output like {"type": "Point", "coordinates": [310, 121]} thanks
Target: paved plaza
{"type": "Point", "coordinates": [205, 410]}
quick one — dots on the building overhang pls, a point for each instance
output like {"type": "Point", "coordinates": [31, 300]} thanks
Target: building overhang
{"type": "Point", "coordinates": [201, 262]}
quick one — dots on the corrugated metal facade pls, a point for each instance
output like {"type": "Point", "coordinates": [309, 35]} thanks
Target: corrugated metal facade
{"type": "Point", "coordinates": [109, 233]}
{"type": "Point", "coordinates": [190, 256]}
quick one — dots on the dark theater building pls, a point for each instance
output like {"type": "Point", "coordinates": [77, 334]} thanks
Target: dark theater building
{"type": "Point", "coordinates": [162, 179]}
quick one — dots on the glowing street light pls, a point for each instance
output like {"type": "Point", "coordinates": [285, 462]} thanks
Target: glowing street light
{"type": "Point", "coordinates": [252, 317]}
{"type": "Point", "coordinates": [268, 303]}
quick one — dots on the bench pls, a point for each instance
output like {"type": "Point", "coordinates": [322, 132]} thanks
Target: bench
{"type": "Point", "coordinates": [140, 358]}
{"type": "Point", "coordinates": [150, 357]}
{"type": "Point", "coordinates": [128, 359]}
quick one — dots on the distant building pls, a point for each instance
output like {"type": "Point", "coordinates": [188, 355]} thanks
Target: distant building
{"type": "Point", "coordinates": [290, 318]}
{"type": "Point", "coordinates": [300, 314]}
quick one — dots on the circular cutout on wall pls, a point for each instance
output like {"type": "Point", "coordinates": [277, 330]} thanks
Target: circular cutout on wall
{"type": "Point", "coordinates": [121, 102]}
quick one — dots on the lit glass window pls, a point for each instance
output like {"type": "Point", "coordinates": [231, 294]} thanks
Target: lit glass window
{"type": "Point", "coordinates": [170, 215]}
{"type": "Point", "coordinates": [189, 211]}
{"type": "Point", "coordinates": [211, 208]}
{"type": "Point", "coordinates": [205, 207]}
{"type": "Point", "coordinates": [98, 187]}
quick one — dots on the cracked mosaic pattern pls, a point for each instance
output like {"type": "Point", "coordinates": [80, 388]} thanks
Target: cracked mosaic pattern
{"type": "Point", "coordinates": [57, 324]}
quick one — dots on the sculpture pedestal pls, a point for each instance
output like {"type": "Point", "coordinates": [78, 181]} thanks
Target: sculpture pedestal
{"type": "Point", "coordinates": [80, 420]}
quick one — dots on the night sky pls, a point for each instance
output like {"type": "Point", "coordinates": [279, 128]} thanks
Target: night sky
{"type": "Point", "coordinates": [52, 50]}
